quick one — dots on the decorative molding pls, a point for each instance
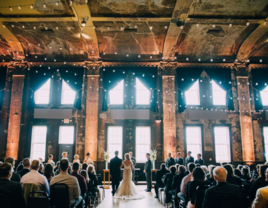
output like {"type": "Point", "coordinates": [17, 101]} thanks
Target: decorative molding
{"type": "Point", "coordinates": [93, 68]}
{"type": "Point", "coordinates": [18, 68]}
{"type": "Point", "coordinates": [167, 68]}
{"type": "Point", "coordinates": [242, 69]}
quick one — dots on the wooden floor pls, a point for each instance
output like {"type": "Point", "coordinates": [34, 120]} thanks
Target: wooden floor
{"type": "Point", "coordinates": [148, 201]}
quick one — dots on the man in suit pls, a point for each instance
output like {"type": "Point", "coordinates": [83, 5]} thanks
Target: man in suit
{"type": "Point", "coordinates": [170, 161]}
{"type": "Point", "coordinates": [159, 174]}
{"type": "Point", "coordinates": [199, 160]}
{"type": "Point", "coordinates": [14, 188]}
{"type": "Point", "coordinates": [176, 183]}
{"type": "Point", "coordinates": [148, 172]}
{"type": "Point", "coordinates": [133, 159]}
{"type": "Point", "coordinates": [115, 171]}
{"type": "Point", "coordinates": [26, 167]}
{"type": "Point", "coordinates": [179, 159]}
{"type": "Point", "coordinates": [15, 176]}
{"type": "Point", "coordinates": [189, 158]}
{"type": "Point", "coordinates": [168, 182]}
{"type": "Point", "coordinates": [214, 195]}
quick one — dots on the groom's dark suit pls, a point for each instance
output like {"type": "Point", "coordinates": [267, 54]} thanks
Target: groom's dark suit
{"type": "Point", "coordinates": [115, 172]}
{"type": "Point", "coordinates": [148, 172]}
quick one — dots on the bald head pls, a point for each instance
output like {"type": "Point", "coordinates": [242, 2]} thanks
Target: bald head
{"type": "Point", "coordinates": [220, 174]}
{"type": "Point", "coordinates": [35, 165]}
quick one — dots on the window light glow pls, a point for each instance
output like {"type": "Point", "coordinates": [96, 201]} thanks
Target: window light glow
{"type": "Point", "coordinates": [41, 95]}
{"type": "Point", "coordinates": [142, 94]}
{"type": "Point", "coordinates": [222, 144]}
{"type": "Point", "coordinates": [67, 94]}
{"type": "Point", "coordinates": [114, 140]}
{"type": "Point", "coordinates": [192, 95]}
{"type": "Point", "coordinates": [219, 95]}
{"type": "Point", "coordinates": [264, 96]}
{"type": "Point", "coordinates": [116, 95]}
{"type": "Point", "coordinates": [143, 142]}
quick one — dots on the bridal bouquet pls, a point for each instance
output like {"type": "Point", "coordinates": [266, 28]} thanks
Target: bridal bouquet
{"type": "Point", "coordinates": [106, 156]}
{"type": "Point", "coordinates": [153, 155]}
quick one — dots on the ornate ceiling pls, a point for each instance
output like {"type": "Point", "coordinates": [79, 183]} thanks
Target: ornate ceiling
{"type": "Point", "coordinates": [134, 30]}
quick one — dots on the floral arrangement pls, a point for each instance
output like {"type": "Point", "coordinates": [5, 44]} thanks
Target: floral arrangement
{"type": "Point", "coordinates": [153, 154]}
{"type": "Point", "coordinates": [91, 162]}
{"type": "Point", "coordinates": [106, 156]}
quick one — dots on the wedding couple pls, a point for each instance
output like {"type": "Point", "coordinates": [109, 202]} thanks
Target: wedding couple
{"type": "Point", "coordinates": [127, 189]}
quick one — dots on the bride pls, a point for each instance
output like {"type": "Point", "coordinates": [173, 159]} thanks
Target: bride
{"type": "Point", "coordinates": [127, 189]}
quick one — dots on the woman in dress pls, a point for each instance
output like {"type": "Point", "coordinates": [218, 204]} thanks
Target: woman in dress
{"type": "Point", "coordinates": [64, 155]}
{"type": "Point", "coordinates": [50, 160]}
{"type": "Point", "coordinates": [87, 159]}
{"type": "Point", "coordinates": [49, 172]}
{"type": "Point", "coordinates": [127, 189]}
{"type": "Point", "coordinates": [76, 159]}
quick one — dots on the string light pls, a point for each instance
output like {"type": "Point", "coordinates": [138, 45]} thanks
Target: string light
{"type": "Point", "coordinates": [57, 3]}
{"type": "Point", "coordinates": [44, 5]}
{"type": "Point", "coordinates": [71, 2]}
{"type": "Point", "coordinates": [264, 23]}
{"type": "Point", "coordinates": [230, 25]}
{"type": "Point", "coordinates": [19, 7]}
{"type": "Point", "coordinates": [31, 7]}
{"type": "Point", "coordinates": [213, 25]}
{"type": "Point", "coordinates": [10, 8]}
{"type": "Point", "coordinates": [248, 24]}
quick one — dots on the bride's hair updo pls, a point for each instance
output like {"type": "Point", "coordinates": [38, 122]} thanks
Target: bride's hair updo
{"type": "Point", "coordinates": [127, 156]}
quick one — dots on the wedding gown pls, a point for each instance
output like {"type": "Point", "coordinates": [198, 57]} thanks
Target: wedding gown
{"type": "Point", "coordinates": [127, 189]}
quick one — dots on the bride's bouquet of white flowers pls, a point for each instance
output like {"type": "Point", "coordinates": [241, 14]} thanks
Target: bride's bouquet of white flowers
{"type": "Point", "coordinates": [153, 154]}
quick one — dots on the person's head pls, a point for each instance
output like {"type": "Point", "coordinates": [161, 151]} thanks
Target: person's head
{"type": "Point", "coordinates": [26, 163]}
{"type": "Point", "coordinates": [172, 169]}
{"type": "Point", "coordinates": [40, 159]}
{"type": "Point", "coordinates": [48, 171]}
{"type": "Point", "coordinates": [127, 156]}
{"type": "Point", "coordinates": [262, 171]}
{"type": "Point", "coordinates": [237, 172]}
{"type": "Point", "coordinates": [88, 154]}
{"type": "Point", "coordinates": [41, 167]}
{"type": "Point", "coordinates": [58, 164]}
{"type": "Point", "coordinates": [198, 174]}
{"type": "Point", "coordinates": [147, 155]}
{"type": "Point", "coordinates": [130, 154]}
{"type": "Point", "coordinates": [199, 156]}
{"type": "Point", "coordinates": [163, 166]}
{"type": "Point", "coordinates": [50, 156]}
{"type": "Point", "coordinates": [10, 160]}
{"type": "Point", "coordinates": [190, 167]}
{"type": "Point", "coordinates": [229, 169]}
{"type": "Point", "coordinates": [181, 169]}
{"type": "Point", "coordinates": [246, 171]}
{"type": "Point", "coordinates": [64, 165]}
{"type": "Point", "coordinates": [204, 168]}
{"type": "Point", "coordinates": [84, 166]}
{"type": "Point", "coordinates": [35, 165]}
{"type": "Point", "coordinates": [169, 154]}
{"type": "Point", "coordinates": [64, 154]}
{"type": "Point", "coordinates": [116, 153]}
{"type": "Point", "coordinates": [178, 154]}
{"type": "Point", "coordinates": [239, 167]}
{"type": "Point", "coordinates": [84, 173]}
{"type": "Point", "coordinates": [76, 156]}
{"type": "Point", "coordinates": [210, 169]}
{"type": "Point", "coordinates": [90, 169]}
{"type": "Point", "coordinates": [220, 174]}
{"type": "Point", "coordinates": [75, 167]}
{"type": "Point", "coordinates": [6, 170]}
{"type": "Point", "coordinates": [189, 153]}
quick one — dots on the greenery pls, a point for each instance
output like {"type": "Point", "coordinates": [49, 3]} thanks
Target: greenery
{"type": "Point", "coordinates": [153, 154]}
{"type": "Point", "coordinates": [106, 156]}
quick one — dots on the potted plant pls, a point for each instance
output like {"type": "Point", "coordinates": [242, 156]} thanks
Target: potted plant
{"type": "Point", "coordinates": [106, 159]}
{"type": "Point", "coordinates": [153, 157]}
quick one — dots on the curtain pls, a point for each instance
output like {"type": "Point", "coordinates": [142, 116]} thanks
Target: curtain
{"type": "Point", "coordinates": [186, 77]}
{"type": "Point", "coordinates": [222, 76]}
{"type": "Point", "coordinates": [259, 83]}
{"type": "Point", "coordinates": [3, 74]}
{"type": "Point", "coordinates": [73, 76]}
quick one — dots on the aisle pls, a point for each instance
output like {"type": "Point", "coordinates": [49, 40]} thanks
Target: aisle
{"type": "Point", "coordinates": [148, 201]}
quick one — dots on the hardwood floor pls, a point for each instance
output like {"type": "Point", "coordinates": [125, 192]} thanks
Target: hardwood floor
{"type": "Point", "coordinates": [148, 201]}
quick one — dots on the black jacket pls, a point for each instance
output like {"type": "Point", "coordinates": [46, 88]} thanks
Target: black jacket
{"type": "Point", "coordinates": [170, 161]}
{"type": "Point", "coordinates": [214, 195]}
{"type": "Point", "coordinates": [258, 183]}
{"type": "Point", "coordinates": [16, 192]}
{"type": "Point", "coordinates": [159, 175]}
{"type": "Point", "coordinates": [176, 183]}
{"type": "Point", "coordinates": [179, 161]}
{"type": "Point", "coordinates": [187, 160]}
{"type": "Point", "coordinates": [148, 166]}
{"type": "Point", "coordinates": [192, 186]}
{"type": "Point", "coordinates": [115, 167]}
{"type": "Point", "coordinates": [15, 177]}
{"type": "Point", "coordinates": [23, 172]}
{"type": "Point", "coordinates": [199, 161]}
{"type": "Point", "coordinates": [234, 180]}
{"type": "Point", "coordinates": [168, 182]}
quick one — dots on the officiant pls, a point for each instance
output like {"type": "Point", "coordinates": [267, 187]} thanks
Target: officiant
{"type": "Point", "coordinates": [134, 164]}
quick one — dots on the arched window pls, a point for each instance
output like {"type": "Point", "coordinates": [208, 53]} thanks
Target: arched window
{"type": "Point", "coordinates": [218, 94]}
{"type": "Point", "coordinates": [42, 94]}
{"type": "Point", "coordinates": [192, 95]}
{"type": "Point", "coordinates": [142, 94]}
{"type": "Point", "coordinates": [264, 96]}
{"type": "Point", "coordinates": [67, 94]}
{"type": "Point", "coordinates": [116, 95]}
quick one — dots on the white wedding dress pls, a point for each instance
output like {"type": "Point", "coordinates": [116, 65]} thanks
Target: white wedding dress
{"type": "Point", "coordinates": [127, 189]}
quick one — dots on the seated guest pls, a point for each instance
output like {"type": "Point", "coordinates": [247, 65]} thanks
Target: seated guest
{"type": "Point", "coordinates": [41, 168]}
{"type": "Point", "coordinates": [50, 160]}
{"type": "Point", "coordinates": [93, 182]}
{"type": "Point", "coordinates": [204, 168]}
{"type": "Point", "coordinates": [199, 160]}
{"type": "Point", "coordinates": [85, 175]}
{"type": "Point", "coordinates": [231, 178]}
{"type": "Point", "coordinates": [261, 200]}
{"type": "Point", "coordinates": [198, 181]}
{"type": "Point", "coordinates": [57, 169]}
{"type": "Point", "coordinates": [26, 167]}
{"type": "Point", "coordinates": [187, 178]}
{"type": "Point", "coordinates": [81, 180]}
{"type": "Point", "coordinates": [168, 182]}
{"type": "Point", "coordinates": [76, 159]}
{"type": "Point", "coordinates": [214, 195]}
{"type": "Point", "coordinates": [70, 181]}
{"type": "Point", "coordinates": [179, 159]}
{"type": "Point", "coordinates": [189, 158]}
{"type": "Point", "coordinates": [246, 174]}
{"type": "Point", "coordinates": [84, 166]}
{"type": "Point", "coordinates": [176, 183]}
{"type": "Point", "coordinates": [170, 161]}
{"type": "Point", "coordinates": [15, 176]}
{"type": "Point", "coordinates": [35, 177]}
{"type": "Point", "coordinates": [20, 167]}
{"type": "Point", "coordinates": [49, 172]}
{"type": "Point", "coordinates": [159, 174]}
{"type": "Point", "coordinates": [237, 173]}
{"type": "Point", "coordinates": [15, 189]}
{"type": "Point", "coordinates": [211, 178]}
{"type": "Point", "coordinates": [258, 183]}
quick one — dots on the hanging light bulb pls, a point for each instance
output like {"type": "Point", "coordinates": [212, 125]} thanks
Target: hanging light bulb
{"type": "Point", "coordinates": [187, 59]}
{"type": "Point", "coordinates": [57, 28]}
{"type": "Point", "coordinates": [264, 23]}
{"type": "Point", "coordinates": [230, 25]}
{"type": "Point", "coordinates": [260, 60]}
{"type": "Point", "coordinates": [19, 7]}
{"type": "Point", "coordinates": [45, 27]}
{"type": "Point", "coordinates": [199, 59]}
{"type": "Point", "coordinates": [211, 60]}
{"type": "Point", "coordinates": [34, 27]}
{"type": "Point", "coordinates": [166, 27]}
{"type": "Point", "coordinates": [10, 8]}
{"type": "Point", "coordinates": [197, 25]}
{"type": "Point", "coordinates": [71, 2]}
{"type": "Point", "coordinates": [31, 6]}
{"type": "Point", "coordinates": [83, 23]}
{"type": "Point", "coordinates": [248, 24]}
{"type": "Point", "coordinates": [57, 3]}
{"type": "Point", "coordinates": [23, 26]}
{"type": "Point", "coordinates": [151, 27]}
{"type": "Point", "coordinates": [69, 28]}
{"type": "Point", "coordinates": [44, 5]}
{"type": "Point", "coordinates": [4, 26]}
{"type": "Point", "coordinates": [213, 25]}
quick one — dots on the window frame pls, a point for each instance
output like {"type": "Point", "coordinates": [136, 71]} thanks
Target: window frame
{"type": "Point", "coordinates": [230, 140]}
{"type": "Point", "coordinates": [107, 139]}
{"type": "Point", "coordinates": [200, 98]}
{"type": "Point", "coordinates": [73, 135]}
{"type": "Point", "coordinates": [46, 144]}
{"type": "Point", "coordinates": [202, 139]}
{"type": "Point", "coordinates": [135, 145]}
{"type": "Point", "coordinates": [147, 106]}
{"type": "Point", "coordinates": [50, 95]}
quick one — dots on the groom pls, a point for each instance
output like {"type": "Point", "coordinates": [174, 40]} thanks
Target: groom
{"type": "Point", "coordinates": [115, 171]}
{"type": "Point", "coordinates": [148, 172]}
{"type": "Point", "coordinates": [133, 160]}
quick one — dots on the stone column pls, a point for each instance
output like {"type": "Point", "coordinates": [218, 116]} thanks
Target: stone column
{"type": "Point", "coordinates": [13, 135]}
{"type": "Point", "coordinates": [92, 109]}
{"type": "Point", "coordinates": [242, 76]}
{"type": "Point", "coordinates": [169, 108]}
